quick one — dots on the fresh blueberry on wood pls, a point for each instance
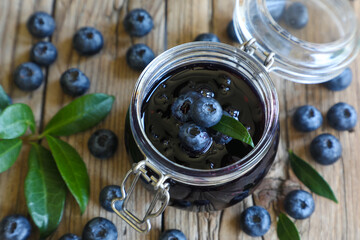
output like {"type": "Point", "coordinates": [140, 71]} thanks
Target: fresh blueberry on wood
{"type": "Point", "coordinates": [172, 234]}
{"type": "Point", "coordinates": [15, 227]}
{"type": "Point", "coordinates": [206, 112]}
{"type": "Point", "coordinates": [296, 15]}
{"type": "Point", "coordinates": [43, 53]}
{"type": "Point", "coordinates": [307, 118]}
{"type": "Point", "coordinates": [193, 138]}
{"type": "Point", "coordinates": [69, 236]}
{"type": "Point", "coordinates": [28, 76]}
{"type": "Point", "coordinates": [100, 229]}
{"type": "Point", "coordinates": [182, 105]}
{"type": "Point", "coordinates": [325, 149]}
{"type": "Point", "coordinates": [139, 56]}
{"type": "Point", "coordinates": [299, 204]}
{"type": "Point", "coordinates": [74, 82]}
{"type": "Point", "coordinates": [103, 143]}
{"type": "Point", "coordinates": [138, 23]}
{"type": "Point", "coordinates": [276, 8]}
{"type": "Point", "coordinates": [209, 37]}
{"type": "Point", "coordinates": [342, 116]}
{"type": "Point", "coordinates": [255, 221]}
{"type": "Point", "coordinates": [231, 31]}
{"type": "Point", "coordinates": [107, 194]}
{"type": "Point", "coordinates": [88, 41]}
{"type": "Point", "coordinates": [341, 82]}
{"type": "Point", "coordinates": [41, 25]}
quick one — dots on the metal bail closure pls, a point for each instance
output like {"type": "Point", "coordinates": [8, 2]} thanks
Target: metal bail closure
{"type": "Point", "coordinates": [249, 47]}
{"type": "Point", "coordinates": [161, 192]}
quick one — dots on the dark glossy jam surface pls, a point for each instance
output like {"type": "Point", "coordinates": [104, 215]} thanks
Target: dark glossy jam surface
{"type": "Point", "coordinates": [228, 87]}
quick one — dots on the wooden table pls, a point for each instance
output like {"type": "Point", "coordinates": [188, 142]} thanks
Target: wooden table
{"type": "Point", "coordinates": [176, 22]}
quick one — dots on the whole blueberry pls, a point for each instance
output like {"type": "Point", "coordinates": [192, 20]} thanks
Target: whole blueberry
{"type": "Point", "coordinates": [139, 56]}
{"type": "Point", "coordinates": [88, 41]}
{"type": "Point", "coordinates": [41, 25]}
{"type": "Point", "coordinates": [194, 138]}
{"type": "Point", "coordinates": [43, 53]}
{"type": "Point", "coordinates": [74, 82]}
{"type": "Point", "coordinates": [182, 105]}
{"type": "Point", "coordinates": [340, 82]}
{"type": "Point", "coordinates": [69, 236]}
{"type": "Point", "coordinates": [255, 221]}
{"type": "Point", "coordinates": [206, 112]}
{"type": "Point", "coordinates": [325, 149]}
{"type": "Point", "coordinates": [231, 31]}
{"type": "Point", "coordinates": [172, 234]}
{"type": "Point", "coordinates": [99, 229]}
{"type": "Point", "coordinates": [209, 37]}
{"type": "Point", "coordinates": [28, 76]}
{"type": "Point", "coordinates": [138, 22]}
{"type": "Point", "coordinates": [103, 143]}
{"type": "Point", "coordinates": [219, 137]}
{"type": "Point", "coordinates": [307, 118]}
{"type": "Point", "coordinates": [276, 8]}
{"type": "Point", "coordinates": [299, 204]}
{"type": "Point", "coordinates": [342, 116]}
{"type": "Point", "coordinates": [107, 194]}
{"type": "Point", "coordinates": [296, 15]}
{"type": "Point", "coordinates": [15, 227]}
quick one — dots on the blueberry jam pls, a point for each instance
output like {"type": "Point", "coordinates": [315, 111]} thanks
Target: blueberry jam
{"type": "Point", "coordinates": [235, 95]}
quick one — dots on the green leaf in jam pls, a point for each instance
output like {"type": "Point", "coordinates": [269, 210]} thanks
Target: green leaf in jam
{"type": "Point", "coordinates": [9, 151]}
{"type": "Point", "coordinates": [286, 229]}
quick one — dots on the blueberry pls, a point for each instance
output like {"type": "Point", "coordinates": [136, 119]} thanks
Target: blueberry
{"type": "Point", "coordinates": [299, 204]}
{"type": "Point", "coordinates": [99, 229]}
{"type": "Point", "coordinates": [41, 25]}
{"type": "Point", "coordinates": [103, 143]}
{"type": "Point", "coordinates": [15, 227]}
{"type": "Point", "coordinates": [219, 137]}
{"type": "Point", "coordinates": [276, 8]}
{"type": "Point", "coordinates": [296, 15]}
{"type": "Point", "coordinates": [194, 138]}
{"type": "Point", "coordinates": [107, 194]}
{"type": "Point", "coordinates": [210, 37]}
{"type": "Point", "coordinates": [206, 112]}
{"type": "Point", "coordinates": [307, 118]}
{"type": "Point", "coordinates": [255, 221]}
{"type": "Point", "coordinates": [43, 53]}
{"type": "Point", "coordinates": [231, 31]}
{"type": "Point", "coordinates": [342, 116]}
{"type": "Point", "coordinates": [325, 149]}
{"type": "Point", "coordinates": [138, 22]}
{"type": "Point", "coordinates": [88, 41]}
{"type": "Point", "coordinates": [74, 82]}
{"type": "Point", "coordinates": [172, 234]}
{"type": "Point", "coordinates": [139, 56]}
{"type": "Point", "coordinates": [340, 82]}
{"type": "Point", "coordinates": [69, 236]}
{"type": "Point", "coordinates": [182, 105]}
{"type": "Point", "coordinates": [28, 76]}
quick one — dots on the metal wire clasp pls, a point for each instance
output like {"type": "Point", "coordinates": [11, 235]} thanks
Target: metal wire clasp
{"type": "Point", "coordinates": [160, 188]}
{"type": "Point", "coordinates": [250, 48]}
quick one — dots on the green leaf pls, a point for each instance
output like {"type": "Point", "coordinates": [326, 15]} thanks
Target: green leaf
{"type": "Point", "coordinates": [4, 99]}
{"type": "Point", "coordinates": [286, 229]}
{"type": "Point", "coordinates": [310, 177]}
{"type": "Point", "coordinates": [80, 115]}
{"type": "Point", "coordinates": [15, 120]}
{"type": "Point", "coordinates": [9, 151]}
{"type": "Point", "coordinates": [233, 128]}
{"type": "Point", "coordinates": [45, 191]}
{"type": "Point", "coordinates": [72, 169]}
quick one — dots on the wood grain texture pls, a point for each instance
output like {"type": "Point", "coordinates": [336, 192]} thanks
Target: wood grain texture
{"type": "Point", "coordinates": [176, 22]}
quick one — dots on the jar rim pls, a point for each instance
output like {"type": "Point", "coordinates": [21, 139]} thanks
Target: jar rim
{"type": "Point", "coordinates": [193, 52]}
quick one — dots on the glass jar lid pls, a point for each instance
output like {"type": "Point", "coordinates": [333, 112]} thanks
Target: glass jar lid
{"type": "Point", "coordinates": [313, 40]}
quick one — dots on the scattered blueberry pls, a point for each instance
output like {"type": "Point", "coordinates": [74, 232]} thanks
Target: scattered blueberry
{"type": "Point", "coordinates": [172, 234]}
{"type": "Point", "coordinates": [276, 8]}
{"type": "Point", "coordinates": [194, 138]}
{"type": "Point", "coordinates": [342, 116]}
{"type": "Point", "coordinates": [107, 194]}
{"type": "Point", "coordinates": [231, 31]}
{"type": "Point", "coordinates": [206, 112]}
{"type": "Point", "coordinates": [88, 41]}
{"type": "Point", "coordinates": [255, 221]}
{"type": "Point", "coordinates": [28, 76]}
{"type": "Point", "coordinates": [307, 118]}
{"type": "Point", "coordinates": [103, 143]}
{"type": "Point", "coordinates": [299, 204]}
{"type": "Point", "coordinates": [296, 15]}
{"type": "Point", "coordinates": [41, 25]}
{"type": "Point", "coordinates": [325, 149]}
{"type": "Point", "coordinates": [69, 236]}
{"type": "Point", "coordinates": [15, 227]}
{"type": "Point", "coordinates": [138, 23]}
{"type": "Point", "coordinates": [210, 37]}
{"type": "Point", "coordinates": [74, 82]}
{"type": "Point", "coordinates": [340, 82]}
{"type": "Point", "coordinates": [99, 229]}
{"type": "Point", "coordinates": [139, 56]}
{"type": "Point", "coordinates": [43, 53]}
{"type": "Point", "coordinates": [182, 105]}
